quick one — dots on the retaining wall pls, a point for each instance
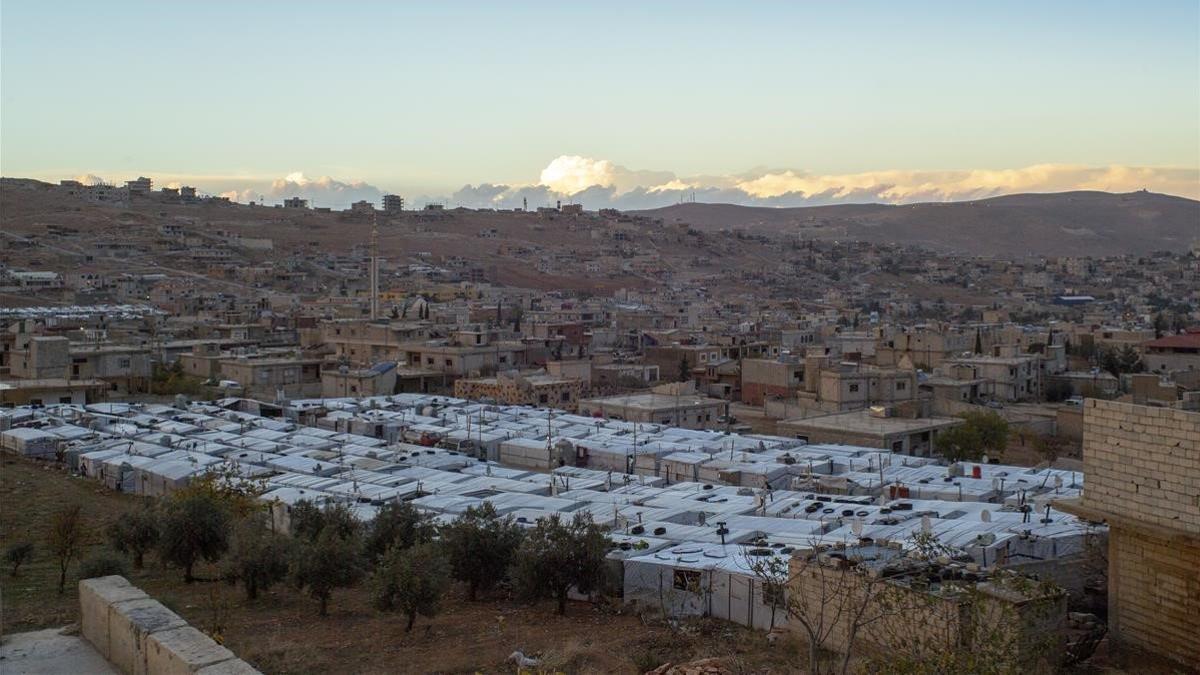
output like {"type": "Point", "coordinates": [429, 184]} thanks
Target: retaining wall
{"type": "Point", "coordinates": [140, 636]}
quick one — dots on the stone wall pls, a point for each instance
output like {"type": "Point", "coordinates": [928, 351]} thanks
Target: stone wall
{"type": "Point", "coordinates": [138, 635]}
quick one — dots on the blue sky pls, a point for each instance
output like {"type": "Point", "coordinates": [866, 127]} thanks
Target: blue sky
{"type": "Point", "coordinates": [423, 99]}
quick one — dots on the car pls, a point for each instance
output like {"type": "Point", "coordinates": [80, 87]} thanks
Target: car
{"type": "Point", "coordinates": [1074, 401]}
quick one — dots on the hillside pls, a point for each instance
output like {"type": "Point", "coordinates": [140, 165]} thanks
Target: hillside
{"type": "Point", "coordinates": [1066, 223]}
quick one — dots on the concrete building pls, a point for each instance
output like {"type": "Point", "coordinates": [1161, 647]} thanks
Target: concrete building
{"type": "Point", "coordinates": [770, 378]}
{"type": "Point", "coordinates": [295, 203]}
{"type": "Point", "coordinates": [1008, 378]}
{"type": "Point", "coordinates": [866, 428]}
{"type": "Point", "coordinates": [378, 380]}
{"type": "Point", "coordinates": [51, 390]}
{"type": "Point", "coordinates": [1143, 474]}
{"type": "Point", "coordinates": [689, 411]}
{"type": "Point", "coordinates": [514, 388]}
{"type": "Point", "coordinates": [1173, 352]}
{"type": "Point", "coordinates": [393, 204]}
{"type": "Point", "coordinates": [267, 377]}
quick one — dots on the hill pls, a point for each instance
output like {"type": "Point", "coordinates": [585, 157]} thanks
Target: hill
{"type": "Point", "coordinates": [1065, 223]}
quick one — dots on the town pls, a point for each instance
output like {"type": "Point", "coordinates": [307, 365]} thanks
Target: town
{"type": "Point", "coordinates": [817, 438]}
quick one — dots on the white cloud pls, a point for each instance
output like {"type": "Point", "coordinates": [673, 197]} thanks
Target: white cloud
{"type": "Point", "coordinates": [599, 183]}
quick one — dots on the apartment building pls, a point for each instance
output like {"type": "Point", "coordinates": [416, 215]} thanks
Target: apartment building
{"type": "Point", "coordinates": [516, 388]}
{"type": "Point", "coordinates": [1006, 378]}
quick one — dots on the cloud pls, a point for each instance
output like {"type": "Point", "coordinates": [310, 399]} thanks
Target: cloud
{"type": "Point", "coordinates": [601, 183]}
{"type": "Point", "coordinates": [323, 191]}
{"type": "Point", "coordinates": [90, 179]}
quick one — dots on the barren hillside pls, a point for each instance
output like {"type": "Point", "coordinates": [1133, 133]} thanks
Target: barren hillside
{"type": "Point", "coordinates": [1066, 223]}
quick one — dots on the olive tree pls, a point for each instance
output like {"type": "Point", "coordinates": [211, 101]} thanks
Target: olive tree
{"type": "Point", "coordinates": [478, 543]}
{"type": "Point", "coordinates": [194, 527]}
{"type": "Point", "coordinates": [556, 556]}
{"type": "Point", "coordinates": [396, 524]}
{"type": "Point", "coordinates": [328, 562]}
{"type": "Point", "coordinates": [135, 533]}
{"type": "Point", "coordinates": [411, 581]}
{"type": "Point", "coordinates": [257, 557]}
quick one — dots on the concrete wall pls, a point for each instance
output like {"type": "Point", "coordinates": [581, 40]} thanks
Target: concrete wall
{"type": "Point", "coordinates": [138, 635]}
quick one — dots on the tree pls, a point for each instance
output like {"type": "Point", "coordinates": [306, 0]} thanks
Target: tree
{"type": "Point", "coordinates": [135, 533]}
{"type": "Point", "coordinates": [396, 524]}
{"type": "Point", "coordinates": [411, 581]}
{"type": "Point", "coordinates": [18, 554]}
{"type": "Point", "coordinates": [258, 556]}
{"type": "Point", "coordinates": [326, 563]}
{"type": "Point", "coordinates": [194, 527]}
{"type": "Point", "coordinates": [684, 370]}
{"type": "Point", "coordinates": [65, 539]}
{"type": "Point", "coordinates": [309, 520]}
{"type": "Point", "coordinates": [980, 432]}
{"type": "Point", "coordinates": [478, 543]}
{"type": "Point", "coordinates": [1161, 324]}
{"type": "Point", "coordinates": [556, 556]}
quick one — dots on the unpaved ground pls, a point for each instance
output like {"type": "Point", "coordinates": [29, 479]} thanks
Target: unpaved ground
{"type": "Point", "coordinates": [281, 632]}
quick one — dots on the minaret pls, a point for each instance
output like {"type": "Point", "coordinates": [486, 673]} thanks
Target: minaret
{"type": "Point", "coordinates": [374, 267]}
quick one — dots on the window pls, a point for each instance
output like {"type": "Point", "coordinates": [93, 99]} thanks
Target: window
{"type": "Point", "coordinates": [687, 580]}
{"type": "Point", "coordinates": [543, 398]}
{"type": "Point", "coordinates": [123, 363]}
{"type": "Point", "coordinates": [429, 361]}
{"type": "Point", "coordinates": [853, 388]}
{"type": "Point", "coordinates": [449, 363]}
{"type": "Point", "coordinates": [901, 386]}
{"type": "Point", "coordinates": [703, 358]}
{"type": "Point", "coordinates": [566, 396]}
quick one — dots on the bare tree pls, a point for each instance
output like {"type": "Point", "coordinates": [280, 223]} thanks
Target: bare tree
{"type": "Point", "coordinates": [65, 538]}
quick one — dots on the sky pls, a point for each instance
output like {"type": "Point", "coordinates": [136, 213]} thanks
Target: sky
{"type": "Point", "coordinates": [628, 104]}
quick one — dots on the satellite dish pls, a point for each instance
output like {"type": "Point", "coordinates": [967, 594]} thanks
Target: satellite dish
{"type": "Point", "coordinates": [985, 516]}
{"type": "Point", "coordinates": [856, 527]}
{"type": "Point", "coordinates": [984, 459]}
{"type": "Point", "coordinates": [926, 525]}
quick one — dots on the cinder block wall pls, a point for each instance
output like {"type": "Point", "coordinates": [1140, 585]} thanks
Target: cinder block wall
{"type": "Point", "coordinates": [1144, 462]}
{"type": "Point", "coordinates": [1142, 466]}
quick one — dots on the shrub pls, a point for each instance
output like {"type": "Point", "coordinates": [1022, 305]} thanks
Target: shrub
{"type": "Point", "coordinates": [326, 563]}
{"type": "Point", "coordinates": [18, 554]}
{"type": "Point", "coordinates": [102, 565]}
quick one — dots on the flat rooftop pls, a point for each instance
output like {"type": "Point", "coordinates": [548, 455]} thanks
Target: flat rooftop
{"type": "Point", "coordinates": [861, 421]}
{"type": "Point", "coordinates": [653, 401]}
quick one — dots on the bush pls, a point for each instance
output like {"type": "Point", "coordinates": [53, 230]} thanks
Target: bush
{"type": "Point", "coordinates": [102, 565]}
{"type": "Point", "coordinates": [18, 554]}
{"type": "Point", "coordinates": [257, 557]}
{"type": "Point", "coordinates": [411, 581]}
{"type": "Point", "coordinates": [980, 432]}
{"type": "Point", "coordinates": [136, 533]}
{"type": "Point", "coordinates": [556, 556]}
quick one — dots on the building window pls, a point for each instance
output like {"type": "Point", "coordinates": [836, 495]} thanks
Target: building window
{"type": "Point", "coordinates": [853, 388]}
{"type": "Point", "coordinates": [901, 386]}
{"type": "Point", "coordinates": [543, 399]}
{"type": "Point", "coordinates": [449, 363]}
{"type": "Point", "coordinates": [123, 363]}
{"type": "Point", "coordinates": [566, 396]}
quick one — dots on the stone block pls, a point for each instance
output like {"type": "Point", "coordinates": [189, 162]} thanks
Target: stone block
{"type": "Point", "coordinates": [96, 597]}
{"type": "Point", "coordinates": [181, 651]}
{"type": "Point", "coordinates": [130, 623]}
{"type": "Point", "coordinates": [230, 667]}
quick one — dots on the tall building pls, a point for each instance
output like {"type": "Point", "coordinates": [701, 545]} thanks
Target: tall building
{"type": "Point", "coordinates": [393, 203]}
